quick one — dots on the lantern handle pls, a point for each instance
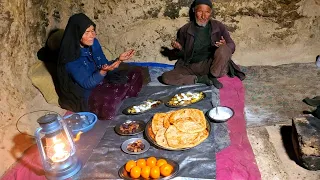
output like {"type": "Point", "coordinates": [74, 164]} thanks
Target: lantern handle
{"type": "Point", "coordinates": [40, 146]}
{"type": "Point", "coordinates": [71, 142]}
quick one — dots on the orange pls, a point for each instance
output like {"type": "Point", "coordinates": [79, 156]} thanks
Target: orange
{"type": "Point", "coordinates": [161, 162]}
{"type": "Point", "coordinates": [141, 163]}
{"type": "Point", "coordinates": [151, 161]}
{"type": "Point", "coordinates": [145, 172]}
{"type": "Point", "coordinates": [166, 170]}
{"type": "Point", "coordinates": [130, 164]}
{"type": "Point", "coordinates": [155, 172]}
{"type": "Point", "coordinates": [135, 172]}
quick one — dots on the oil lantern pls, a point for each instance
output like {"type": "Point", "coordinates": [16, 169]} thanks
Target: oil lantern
{"type": "Point", "coordinates": [56, 148]}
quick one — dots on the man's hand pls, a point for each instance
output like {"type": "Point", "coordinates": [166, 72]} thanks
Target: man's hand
{"type": "Point", "coordinates": [221, 42]}
{"type": "Point", "coordinates": [126, 55]}
{"type": "Point", "coordinates": [176, 45]}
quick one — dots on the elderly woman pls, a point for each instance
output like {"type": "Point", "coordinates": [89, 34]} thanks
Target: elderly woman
{"type": "Point", "coordinates": [87, 80]}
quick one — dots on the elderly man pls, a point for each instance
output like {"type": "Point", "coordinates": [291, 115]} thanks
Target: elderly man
{"type": "Point", "coordinates": [204, 48]}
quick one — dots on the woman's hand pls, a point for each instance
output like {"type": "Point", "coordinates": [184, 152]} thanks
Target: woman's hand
{"type": "Point", "coordinates": [126, 55]}
{"type": "Point", "coordinates": [105, 68]}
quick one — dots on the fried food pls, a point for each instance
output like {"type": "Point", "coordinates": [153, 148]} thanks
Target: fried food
{"type": "Point", "coordinates": [178, 139]}
{"type": "Point", "coordinates": [157, 122]}
{"type": "Point", "coordinates": [186, 113]}
{"type": "Point", "coordinates": [189, 125]}
{"type": "Point", "coordinates": [183, 128]}
{"type": "Point", "coordinates": [161, 139]}
{"type": "Point", "coordinates": [183, 99]}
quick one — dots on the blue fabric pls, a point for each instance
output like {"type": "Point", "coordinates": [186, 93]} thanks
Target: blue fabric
{"type": "Point", "coordinates": [85, 70]}
{"type": "Point", "coordinates": [152, 64]}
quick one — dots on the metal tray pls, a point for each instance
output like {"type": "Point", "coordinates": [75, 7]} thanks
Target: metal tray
{"type": "Point", "coordinates": [151, 136]}
{"type": "Point", "coordinates": [127, 142]}
{"type": "Point", "coordinates": [126, 112]}
{"type": "Point", "coordinates": [172, 106]}
{"type": "Point", "coordinates": [141, 128]}
{"type": "Point", "coordinates": [125, 175]}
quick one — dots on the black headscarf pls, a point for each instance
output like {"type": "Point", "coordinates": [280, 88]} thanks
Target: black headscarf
{"type": "Point", "coordinates": [71, 94]}
{"type": "Point", "coordinates": [70, 44]}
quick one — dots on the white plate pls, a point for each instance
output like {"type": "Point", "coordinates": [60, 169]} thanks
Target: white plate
{"type": "Point", "coordinates": [132, 140]}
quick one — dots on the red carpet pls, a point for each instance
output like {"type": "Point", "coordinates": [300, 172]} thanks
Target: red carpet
{"type": "Point", "coordinates": [237, 161]}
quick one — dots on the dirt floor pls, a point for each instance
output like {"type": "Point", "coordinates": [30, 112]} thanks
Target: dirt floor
{"type": "Point", "coordinates": [274, 96]}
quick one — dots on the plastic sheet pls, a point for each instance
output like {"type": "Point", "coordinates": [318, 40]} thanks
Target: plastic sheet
{"type": "Point", "coordinates": [197, 162]}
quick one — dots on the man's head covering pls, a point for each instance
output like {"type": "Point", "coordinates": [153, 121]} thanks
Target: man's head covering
{"type": "Point", "coordinates": [70, 44]}
{"type": "Point", "coordinates": [206, 2]}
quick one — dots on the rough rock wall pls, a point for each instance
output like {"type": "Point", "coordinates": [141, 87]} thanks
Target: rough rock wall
{"type": "Point", "coordinates": [266, 32]}
{"type": "Point", "coordinates": [24, 25]}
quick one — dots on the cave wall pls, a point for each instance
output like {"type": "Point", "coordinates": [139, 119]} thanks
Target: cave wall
{"type": "Point", "coordinates": [266, 32]}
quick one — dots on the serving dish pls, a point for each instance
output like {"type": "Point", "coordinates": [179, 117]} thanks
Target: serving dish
{"type": "Point", "coordinates": [185, 99]}
{"type": "Point", "coordinates": [125, 175]}
{"type": "Point", "coordinates": [220, 113]}
{"type": "Point", "coordinates": [142, 108]}
{"type": "Point", "coordinates": [126, 143]}
{"type": "Point", "coordinates": [151, 136]}
{"type": "Point", "coordinates": [81, 121]}
{"type": "Point", "coordinates": [139, 124]}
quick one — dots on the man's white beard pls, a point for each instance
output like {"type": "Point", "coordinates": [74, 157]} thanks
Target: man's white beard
{"type": "Point", "coordinates": [201, 24]}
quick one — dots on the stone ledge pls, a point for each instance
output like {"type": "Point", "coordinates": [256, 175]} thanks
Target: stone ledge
{"type": "Point", "coordinates": [306, 141]}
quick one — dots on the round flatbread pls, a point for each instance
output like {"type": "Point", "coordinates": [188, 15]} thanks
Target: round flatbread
{"type": "Point", "coordinates": [157, 122]}
{"type": "Point", "coordinates": [189, 125]}
{"type": "Point", "coordinates": [200, 138]}
{"type": "Point", "coordinates": [178, 139]}
{"type": "Point", "coordinates": [179, 129]}
{"type": "Point", "coordinates": [166, 122]}
{"type": "Point", "coordinates": [161, 139]}
{"type": "Point", "coordinates": [194, 114]}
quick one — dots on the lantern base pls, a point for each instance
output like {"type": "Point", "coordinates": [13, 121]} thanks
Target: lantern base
{"type": "Point", "coordinates": [67, 170]}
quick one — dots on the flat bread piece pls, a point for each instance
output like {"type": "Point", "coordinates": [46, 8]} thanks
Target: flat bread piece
{"type": "Point", "coordinates": [161, 139]}
{"type": "Point", "coordinates": [178, 139]}
{"type": "Point", "coordinates": [200, 138]}
{"type": "Point", "coordinates": [189, 125]}
{"type": "Point", "coordinates": [157, 122]}
{"type": "Point", "coordinates": [195, 114]}
{"type": "Point", "coordinates": [166, 122]}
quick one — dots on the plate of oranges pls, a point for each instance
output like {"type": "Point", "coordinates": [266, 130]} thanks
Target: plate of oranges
{"type": "Point", "coordinates": [149, 168]}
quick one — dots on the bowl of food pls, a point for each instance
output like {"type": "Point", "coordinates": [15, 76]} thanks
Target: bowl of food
{"type": "Point", "coordinates": [130, 127]}
{"type": "Point", "coordinates": [220, 113]}
{"type": "Point", "coordinates": [142, 107]}
{"type": "Point", "coordinates": [159, 168]}
{"type": "Point", "coordinates": [185, 99]}
{"type": "Point", "coordinates": [135, 146]}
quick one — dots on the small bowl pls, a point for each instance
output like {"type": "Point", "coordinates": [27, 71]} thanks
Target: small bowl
{"type": "Point", "coordinates": [132, 140]}
{"type": "Point", "coordinates": [224, 113]}
{"type": "Point", "coordinates": [142, 125]}
{"type": "Point", "coordinates": [86, 121]}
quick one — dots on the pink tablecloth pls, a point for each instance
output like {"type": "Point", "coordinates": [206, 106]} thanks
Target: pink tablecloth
{"type": "Point", "coordinates": [237, 161]}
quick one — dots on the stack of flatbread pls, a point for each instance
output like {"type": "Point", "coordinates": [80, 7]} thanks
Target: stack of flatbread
{"type": "Point", "coordinates": [179, 129]}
